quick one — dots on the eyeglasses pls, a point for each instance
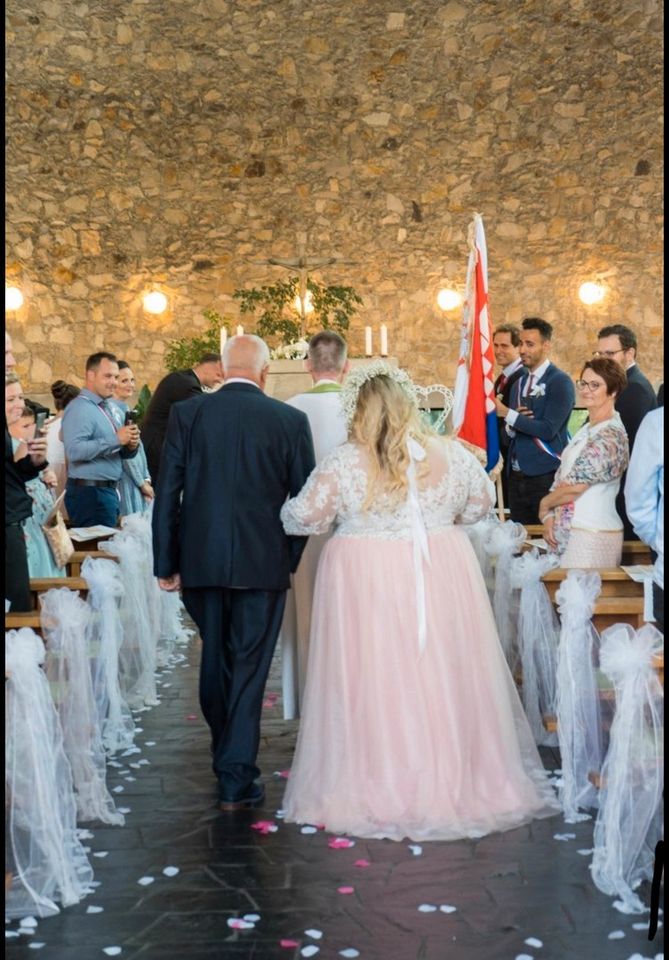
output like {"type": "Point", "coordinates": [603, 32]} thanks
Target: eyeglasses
{"type": "Point", "coordinates": [590, 385]}
{"type": "Point", "coordinates": [609, 354]}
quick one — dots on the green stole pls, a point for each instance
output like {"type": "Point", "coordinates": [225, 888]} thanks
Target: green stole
{"type": "Point", "coordinates": [326, 388]}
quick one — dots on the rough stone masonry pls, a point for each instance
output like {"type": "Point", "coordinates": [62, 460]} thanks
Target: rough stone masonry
{"type": "Point", "coordinates": [176, 143]}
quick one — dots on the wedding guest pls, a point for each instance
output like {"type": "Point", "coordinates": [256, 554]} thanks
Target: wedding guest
{"type": "Point", "coordinates": [618, 342]}
{"type": "Point", "coordinates": [327, 363]}
{"type": "Point", "coordinates": [62, 394]}
{"type": "Point", "coordinates": [134, 487]}
{"type": "Point", "coordinates": [411, 723]}
{"type": "Point", "coordinates": [231, 458]}
{"type": "Point", "coordinates": [41, 490]}
{"type": "Point", "coordinates": [505, 345]}
{"type": "Point", "coordinates": [644, 496]}
{"type": "Point", "coordinates": [96, 441]}
{"type": "Point", "coordinates": [579, 514]}
{"type": "Point", "coordinates": [176, 386]}
{"type": "Point", "coordinates": [18, 505]}
{"type": "Point", "coordinates": [536, 422]}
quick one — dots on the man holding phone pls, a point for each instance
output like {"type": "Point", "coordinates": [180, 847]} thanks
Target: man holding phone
{"type": "Point", "coordinates": [96, 440]}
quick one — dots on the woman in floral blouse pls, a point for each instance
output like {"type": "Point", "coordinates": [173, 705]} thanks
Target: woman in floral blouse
{"type": "Point", "coordinates": [579, 513]}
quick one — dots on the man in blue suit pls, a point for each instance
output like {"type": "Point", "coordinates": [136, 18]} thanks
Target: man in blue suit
{"type": "Point", "coordinates": [229, 462]}
{"type": "Point", "coordinates": [536, 422]}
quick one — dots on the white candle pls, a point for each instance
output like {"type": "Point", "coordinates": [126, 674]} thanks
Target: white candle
{"type": "Point", "coordinates": [224, 337]}
{"type": "Point", "coordinates": [368, 341]}
{"type": "Point", "coordinates": [384, 340]}
{"type": "Point", "coordinates": [240, 330]}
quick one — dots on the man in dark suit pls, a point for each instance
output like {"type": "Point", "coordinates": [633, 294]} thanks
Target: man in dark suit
{"type": "Point", "coordinates": [536, 422]}
{"type": "Point", "coordinates": [229, 462]}
{"type": "Point", "coordinates": [617, 342]}
{"type": "Point", "coordinates": [505, 343]}
{"type": "Point", "coordinates": [176, 386]}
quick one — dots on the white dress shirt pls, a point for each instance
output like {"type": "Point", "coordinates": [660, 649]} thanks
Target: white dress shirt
{"type": "Point", "coordinates": [644, 487]}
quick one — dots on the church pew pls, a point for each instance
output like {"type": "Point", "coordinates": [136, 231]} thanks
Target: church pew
{"type": "Point", "coordinates": [615, 582]}
{"type": "Point", "coordinates": [14, 621]}
{"type": "Point", "coordinates": [78, 557]}
{"type": "Point", "coordinates": [635, 552]}
{"type": "Point", "coordinates": [42, 584]}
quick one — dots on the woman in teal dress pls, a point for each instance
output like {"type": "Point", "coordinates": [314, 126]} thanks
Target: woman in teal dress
{"type": "Point", "coordinates": [134, 487]}
{"type": "Point", "coordinates": [41, 491]}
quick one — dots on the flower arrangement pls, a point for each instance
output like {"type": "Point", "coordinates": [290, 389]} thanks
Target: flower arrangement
{"type": "Point", "coordinates": [290, 351]}
{"type": "Point", "coordinates": [359, 375]}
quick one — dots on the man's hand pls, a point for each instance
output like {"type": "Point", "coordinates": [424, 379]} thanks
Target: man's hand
{"type": "Point", "coordinates": [147, 491]}
{"type": "Point", "coordinates": [128, 436]}
{"type": "Point", "coordinates": [37, 450]}
{"type": "Point", "coordinates": [502, 409]}
{"type": "Point", "coordinates": [171, 584]}
{"type": "Point", "coordinates": [49, 478]}
{"type": "Point", "coordinates": [526, 412]}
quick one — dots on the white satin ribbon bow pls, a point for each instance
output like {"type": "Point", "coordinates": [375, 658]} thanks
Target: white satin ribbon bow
{"type": "Point", "coordinates": [421, 550]}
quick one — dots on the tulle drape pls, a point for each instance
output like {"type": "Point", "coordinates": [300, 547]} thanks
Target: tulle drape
{"type": "Point", "coordinates": [65, 619]}
{"type": "Point", "coordinates": [47, 862]}
{"type": "Point", "coordinates": [478, 534]}
{"type": "Point", "coordinates": [503, 542]}
{"type": "Point", "coordinates": [629, 820]}
{"type": "Point", "coordinates": [105, 638]}
{"type": "Point", "coordinates": [578, 713]}
{"type": "Point", "coordinates": [538, 639]}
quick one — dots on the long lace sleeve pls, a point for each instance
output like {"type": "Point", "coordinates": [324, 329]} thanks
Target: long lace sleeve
{"type": "Point", "coordinates": [315, 507]}
{"type": "Point", "coordinates": [480, 490]}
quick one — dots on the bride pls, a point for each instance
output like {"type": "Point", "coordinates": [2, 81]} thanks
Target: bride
{"type": "Point", "coordinates": [412, 726]}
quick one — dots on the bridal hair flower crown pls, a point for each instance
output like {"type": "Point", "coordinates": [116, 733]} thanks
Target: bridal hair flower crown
{"type": "Point", "coordinates": [360, 375]}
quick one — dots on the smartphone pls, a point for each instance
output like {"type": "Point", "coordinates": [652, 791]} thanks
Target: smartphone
{"type": "Point", "coordinates": [40, 420]}
{"type": "Point", "coordinates": [130, 417]}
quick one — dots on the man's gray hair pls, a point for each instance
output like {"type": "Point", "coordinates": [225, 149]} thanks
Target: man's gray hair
{"type": "Point", "coordinates": [245, 352]}
{"type": "Point", "coordinates": [327, 352]}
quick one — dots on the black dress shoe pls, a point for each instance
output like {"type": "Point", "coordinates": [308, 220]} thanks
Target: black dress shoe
{"type": "Point", "coordinates": [253, 797]}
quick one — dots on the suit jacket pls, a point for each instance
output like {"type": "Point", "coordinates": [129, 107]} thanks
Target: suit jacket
{"type": "Point", "coordinates": [176, 386]}
{"type": "Point", "coordinates": [229, 461]}
{"type": "Point", "coordinates": [635, 401]}
{"type": "Point", "coordinates": [547, 429]}
{"type": "Point", "coordinates": [18, 502]}
{"type": "Point", "coordinates": [504, 439]}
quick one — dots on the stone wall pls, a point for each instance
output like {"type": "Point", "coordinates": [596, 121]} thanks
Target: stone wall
{"type": "Point", "coordinates": [176, 143]}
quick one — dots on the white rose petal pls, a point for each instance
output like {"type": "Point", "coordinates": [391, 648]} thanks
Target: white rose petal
{"type": "Point", "coordinates": [111, 951]}
{"type": "Point", "coordinates": [617, 935]}
{"type": "Point", "coordinates": [145, 881]}
{"type": "Point", "coordinates": [28, 922]}
{"type": "Point", "coordinates": [172, 872]}
{"type": "Point", "coordinates": [309, 951]}
{"type": "Point", "coordinates": [308, 829]}
{"type": "Point", "coordinates": [314, 934]}
{"type": "Point", "coordinates": [447, 908]}
{"type": "Point", "coordinates": [92, 909]}
{"type": "Point", "coordinates": [349, 952]}
{"type": "Point", "coordinates": [427, 908]}
{"type": "Point", "coordinates": [251, 917]}
{"type": "Point", "coordinates": [416, 849]}
{"type": "Point", "coordinates": [533, 942]}
{"type": "Point", "coordinates": [101, 854]}
{"type": "Point", "coordinates": [36, 945]}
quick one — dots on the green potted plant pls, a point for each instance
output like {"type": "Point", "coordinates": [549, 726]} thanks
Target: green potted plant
{"type": "Point", "coordinates": [184, 353]}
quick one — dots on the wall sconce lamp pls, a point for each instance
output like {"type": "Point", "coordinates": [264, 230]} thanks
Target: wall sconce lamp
{"type": "Point", "coordinates": [449, 299]}
{"type": "Point", "coordinates": [591, 292]}
{"type": "Point", "coordinates": [155, 302]}
{"type": "Point", "coordinates": [13, 299]}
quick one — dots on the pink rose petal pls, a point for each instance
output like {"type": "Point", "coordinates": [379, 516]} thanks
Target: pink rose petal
{"type": "Point", "coordinates": [265, 826]}
{"type": "Point", "coordinates": [289, 943]}
{"type": "Point", "coordinates": [361, 863]}
{"type": "Point", "coordinates": [345, 889]}
{"type": "Point", "coordinates": [340, 843]}
{"type": "Point", "coordinates": [191, 716]}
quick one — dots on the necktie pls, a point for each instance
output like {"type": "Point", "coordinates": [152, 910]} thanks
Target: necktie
{"type": "Point", "coordinates": [530, 384]}
{"type": "Point", "coordinates": [501, 383]}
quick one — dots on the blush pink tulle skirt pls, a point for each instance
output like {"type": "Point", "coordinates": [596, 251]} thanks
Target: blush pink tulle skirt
{"type": "Point", "coordinates": [393, 743]}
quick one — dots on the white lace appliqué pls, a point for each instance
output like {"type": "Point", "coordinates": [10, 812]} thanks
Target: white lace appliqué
{"type": "Point", "coordinates": [459, 491]}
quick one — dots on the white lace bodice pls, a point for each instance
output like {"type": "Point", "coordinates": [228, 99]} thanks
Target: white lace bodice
{"type": "Point", "coordinates": [456, 490]}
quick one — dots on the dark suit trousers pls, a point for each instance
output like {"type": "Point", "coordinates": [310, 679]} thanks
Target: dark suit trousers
{"type": "Point", "coordinates": [17, 578]}
{"type": "Point", "coordinates": [525, 495]}
{"type": "Point", "coordinates": [239, 630]}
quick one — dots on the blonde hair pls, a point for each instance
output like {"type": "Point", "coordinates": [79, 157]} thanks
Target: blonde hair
{"type": "Point", "coordinates": [385, 417]}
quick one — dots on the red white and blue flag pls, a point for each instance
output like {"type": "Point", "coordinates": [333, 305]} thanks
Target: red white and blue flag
{"type": "Point", "coordinates": [474, 413]}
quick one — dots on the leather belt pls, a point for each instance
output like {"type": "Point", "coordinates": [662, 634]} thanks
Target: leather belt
{"type": "Point", "coordinates": [75, 481]}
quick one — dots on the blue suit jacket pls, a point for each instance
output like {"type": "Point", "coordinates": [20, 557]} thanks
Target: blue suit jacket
{"type": "Point", "coordinates": [229, 461]}
{"type": "Point", "coordinates": [547, 428]}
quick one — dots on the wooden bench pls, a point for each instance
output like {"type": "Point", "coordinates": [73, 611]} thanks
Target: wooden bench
{"type": "Point", "coordinates": [635, 552]}
{"type": "Point", "coordinates": [615, 582]}
{"type": "Point", "coordinates": [78, 557]}
{"type": "Point", "coordinates": [42, 584]}
{"type": "Point", "coordinates": [14, 621]}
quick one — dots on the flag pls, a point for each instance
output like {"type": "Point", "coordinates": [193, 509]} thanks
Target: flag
{"type": "Point", "coordinates": [474, 413]}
